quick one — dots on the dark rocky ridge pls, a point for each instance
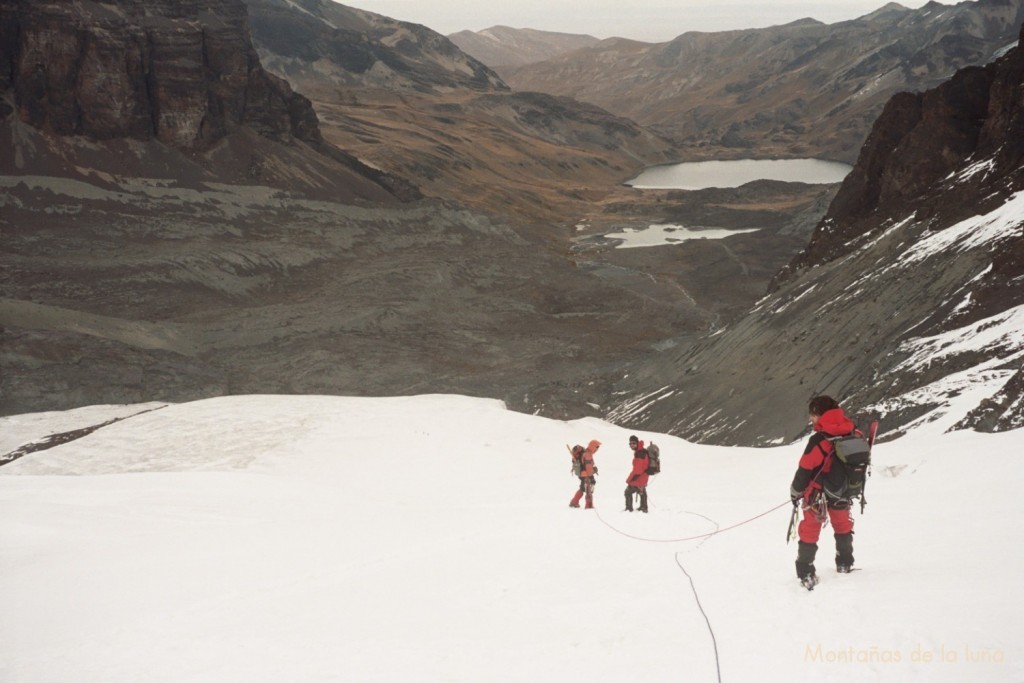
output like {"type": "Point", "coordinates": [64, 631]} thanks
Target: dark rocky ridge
{"type": "Point", "coordinates": [849, 313]}
{"type": "Point", "coordinates": [362, 48]}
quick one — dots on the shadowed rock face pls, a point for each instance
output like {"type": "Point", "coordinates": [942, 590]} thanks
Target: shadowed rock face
{"type": "Point", "coordinates": [898, 272]}
{"type": "Point", "coordinates": [181, 74]}
{"type": "Point", "coordinates": [178, 71]}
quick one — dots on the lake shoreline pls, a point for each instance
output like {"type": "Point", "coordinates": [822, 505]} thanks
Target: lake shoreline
{"type": "Point", "coordinates": [697, 175]}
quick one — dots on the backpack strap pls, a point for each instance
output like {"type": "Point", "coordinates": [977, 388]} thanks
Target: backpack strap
{"type": "Point", "coordinates": [826, 454]}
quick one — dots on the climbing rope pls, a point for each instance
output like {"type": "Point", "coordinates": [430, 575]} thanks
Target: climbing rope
{"type": "Point", "coordinates": [690, 538]}
{"type": "Point", "coordinates": [693, 587]}
{"type": "Point", "coordinates": [714, 642]}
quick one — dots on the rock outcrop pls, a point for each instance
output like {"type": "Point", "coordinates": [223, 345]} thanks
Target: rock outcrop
{"type": "Point", "coordinates": [181, 73]}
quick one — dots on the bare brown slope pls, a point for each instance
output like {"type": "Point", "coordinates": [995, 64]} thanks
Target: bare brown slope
{"type": "Point", "coordinates": [502, 46]}
{"type": "Point", "coordinates": [405, 99]}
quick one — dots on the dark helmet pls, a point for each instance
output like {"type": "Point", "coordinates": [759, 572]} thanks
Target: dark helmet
{"type": "Point", "coordinates": [577, 450]}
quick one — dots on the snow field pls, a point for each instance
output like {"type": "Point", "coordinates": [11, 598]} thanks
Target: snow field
{"type": "Point", "coordinates": [269, 538]}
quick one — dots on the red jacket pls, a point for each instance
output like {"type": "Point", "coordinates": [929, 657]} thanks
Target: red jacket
{"type": "Point", "coordinates": [815, 463]}
{"type": "Point", "coordinates": [638, 475]}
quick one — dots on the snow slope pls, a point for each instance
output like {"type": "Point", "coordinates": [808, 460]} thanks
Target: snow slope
{"type": "Point", "coordinates": [266, 538]}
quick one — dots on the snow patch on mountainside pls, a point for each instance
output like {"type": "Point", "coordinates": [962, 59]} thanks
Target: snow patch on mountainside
{"type": "Point", "coordinates": [975, 232]}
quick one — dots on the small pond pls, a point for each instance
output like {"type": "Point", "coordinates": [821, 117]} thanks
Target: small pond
{"type": "Point", "coordinates": [657, 235]}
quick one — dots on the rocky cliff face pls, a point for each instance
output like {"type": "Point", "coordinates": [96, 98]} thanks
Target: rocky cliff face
{"type": "Point", "coordinates": [180, 73]}
{"type": "Point", "coordinates": [906, 301]}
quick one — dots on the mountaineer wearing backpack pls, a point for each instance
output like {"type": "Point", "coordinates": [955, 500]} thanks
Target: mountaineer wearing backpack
{"type": "Point", "coordinates": [637, 479]}
{"type": "Point", "coordinates": [811, 487]}
{"type": "Point", "coordinates": [583, 467]}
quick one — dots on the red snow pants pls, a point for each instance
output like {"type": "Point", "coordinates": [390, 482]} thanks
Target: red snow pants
{"type": "Point", "coordinates": [810, 527]}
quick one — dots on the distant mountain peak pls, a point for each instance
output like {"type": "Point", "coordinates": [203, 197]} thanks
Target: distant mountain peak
{"type": "Point", "coordinates": [503, 46]}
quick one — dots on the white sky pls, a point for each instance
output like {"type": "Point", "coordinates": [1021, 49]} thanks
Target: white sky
{"type": "Point", "coordinates": [650, 21]}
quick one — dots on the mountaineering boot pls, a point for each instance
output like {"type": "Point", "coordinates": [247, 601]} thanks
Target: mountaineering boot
{"type": "Point", "coordinates": [844, 552]}
{"type": "Point", "coordinates": [643, 500]}
{"type": "Point", "coordinates": [575, 502]}
{"type": "Point", "coordinates": [805, 560]}
{"type": "Point", "coordinates": [590, 502]}
{"type": "Point", "coordinates": [629, 502]}
{"type": "Point", "coordinates": [809, 581]}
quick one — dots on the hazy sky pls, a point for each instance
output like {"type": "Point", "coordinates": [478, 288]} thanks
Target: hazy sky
{"type": "Point", "coordinates": [654, 20]}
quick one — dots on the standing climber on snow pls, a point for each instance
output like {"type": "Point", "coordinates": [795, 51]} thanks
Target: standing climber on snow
{"type": "Point", "coordinates": [583, 467]}
{"type": "Point", "coordinates": [636, 482]}
{"type": "Point", "coordinates": [827, 420]}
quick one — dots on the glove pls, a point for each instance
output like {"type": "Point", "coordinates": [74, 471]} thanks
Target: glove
{"type": "Point", "coordinates": [795, 496]}
{"type": "Point", "coordinates": [595, 469]}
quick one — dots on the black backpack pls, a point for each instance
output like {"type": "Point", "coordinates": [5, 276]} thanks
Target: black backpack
{"type": "Point", "coordinates": [852, 458]}
{"type": "Point", "coordinates": [653, 459]}
{"type": "Point", "coordinates": [577, 460]}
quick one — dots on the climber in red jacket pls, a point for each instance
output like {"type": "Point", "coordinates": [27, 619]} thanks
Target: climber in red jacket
{"type": "Point", "coordinates": [637, 479]}
{"type": "Point", "coordinates": [827, 420]}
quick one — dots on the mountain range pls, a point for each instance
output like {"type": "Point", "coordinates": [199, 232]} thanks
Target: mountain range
{"type": "Point", "coordinates": [801, 89]}
{"type": "Point", "coordinates": [180, 222]}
